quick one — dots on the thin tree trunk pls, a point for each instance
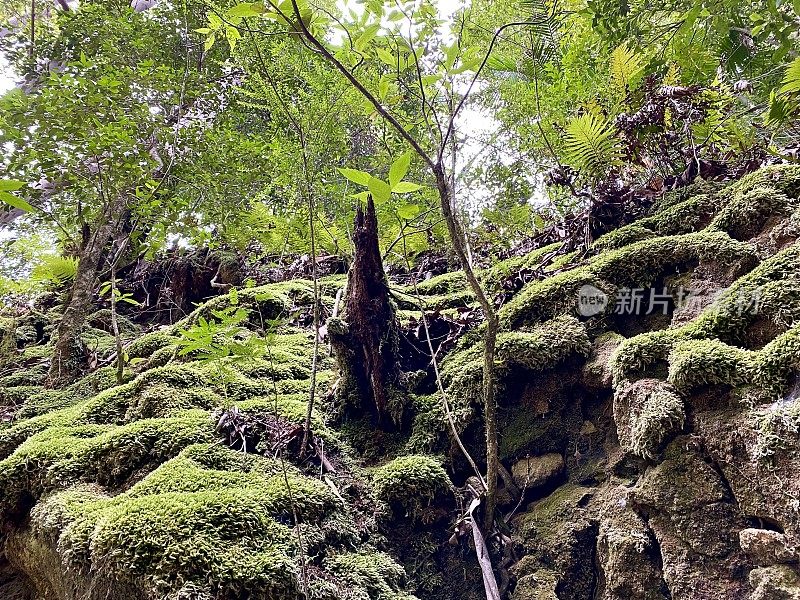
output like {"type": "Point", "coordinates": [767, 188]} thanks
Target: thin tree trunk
{"type": "Point", "coordinates": [490, 342]}
{"type": "Point", "coordinates": [69, 353]}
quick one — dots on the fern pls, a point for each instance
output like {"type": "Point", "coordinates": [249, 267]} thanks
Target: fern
{"type": "Point", "coordinates": [55, 269]}
{"type": "Point", "coordinates": [784, 105]}
{"type": "Point", "coordinates": [791, 80]}
{"type": "Point", "coordinates": [591, 144]}
{"type": "Point", "coordinates": [625, 66]}
{"type": "Point", "coordinates": [545, 39]}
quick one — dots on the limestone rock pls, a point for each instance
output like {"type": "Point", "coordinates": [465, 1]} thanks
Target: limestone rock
{"type": "Point", "coordinates": [775, 583]}
{"type": "Point", "coordinates": [767, 547]}
{"type": "Point", "coordinates": [537, 471]}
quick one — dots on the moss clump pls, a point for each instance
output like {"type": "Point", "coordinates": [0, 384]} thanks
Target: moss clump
{"type": "Point", "coordinates": [637, 265]}
{"type": "Point", "coordinates": [647, 413]}
{"type": "Point", "coordinates": [60, 456]}
{"type": "Point", "coordinates": [694, 363]}
{"type": "Point", "coordinates": [146, 345]}
{"type": "Point", "coordinates": [622, 237]}
{"type": "Point", "coordinates": [367, 575]}
{"type": "Point", "coordinates": [747, 212]}
{"type": "Point", "coordinates": [411, 482]}
{"type": "Point", "coordinates": [542, 348]}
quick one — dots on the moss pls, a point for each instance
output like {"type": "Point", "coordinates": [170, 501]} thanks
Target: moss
{"type": "Point", "coordinates": [60, 456]}
{"type": "Point", "coordinates": [685, 216]}
{"type": "Point", "coordinates": [647, 413]}
{"type": "Point", "coordinates": [542, 348]}
{"type": "Point", "coordinates": [637, 265]}
{"type": "Point", "coordinates": [368, 575]}
{"type": "Point", "coordinates": [727, 319]}
{"type": "Point", "coordinates": [694, 363]}
{"type": "Point", "coordinates": [747, 212]}
{"type": "Point", "coordinates": [31, 376]}
{"type": "Point", "coordinates": [145, 346]}
{"type": "Point", "coordinates": [635, 232]}
{"type": "Point", "coordinates": [411, 482]}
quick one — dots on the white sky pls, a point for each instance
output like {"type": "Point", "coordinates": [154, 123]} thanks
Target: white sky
{"type": "Point", "coordinates": [6, 78]}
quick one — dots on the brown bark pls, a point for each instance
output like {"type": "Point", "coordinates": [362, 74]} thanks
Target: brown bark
{"type": "Point", "coordinates": [69, 352]}
{"type": "Point", "coordinates": [367, 349]}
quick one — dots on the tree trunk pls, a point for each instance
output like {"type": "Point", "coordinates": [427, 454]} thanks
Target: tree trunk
{"type": "Point", "coordinates": [366, 340]}
{"type": "Point", "coordinates": [69, 352]}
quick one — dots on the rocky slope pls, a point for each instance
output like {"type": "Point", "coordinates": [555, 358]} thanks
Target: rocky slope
{"type": "Point", "coordinates": [649, 419]}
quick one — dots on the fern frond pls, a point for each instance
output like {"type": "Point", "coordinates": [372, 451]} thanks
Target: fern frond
{"type": "Point", "coordinates": [625, 66]}
{"type": "Point", "coordinates": [55, 269]}
{"type": "Point", "coordinates": [545, 44]}
{"type": "Point", "coordinates": [791, 80]}
{"type": "Point", "coordinates": [591, 144]}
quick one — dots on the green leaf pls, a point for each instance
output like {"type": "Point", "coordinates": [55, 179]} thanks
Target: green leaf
{"type": "Point", "coordinates": [233, 36]}
{"type": "Point", "coordinates": [387, 57]}
{"type": "Point", "coordinates": [11, 185]}
{"type": "Point", "coordinates": [408, 211]}
{"type": "Point", "coordinates": [209, 42]}
{"type": "Point", "coordinates": [246, 10]}
{"type": "Point", "coordinates": [362, 196]}
{"type": "Point", "coordinates": [405, 187]}
{"type": "Point", "coordinates": [356, 176]}
{"type": "Point", "coordinates": [380, 190]}
{"type": "Point", "coordinates": [383, 87]}
{"type": "Point", "coordinates": [399, 169]}
{"type": "Point", "coordinates": [18, 203]}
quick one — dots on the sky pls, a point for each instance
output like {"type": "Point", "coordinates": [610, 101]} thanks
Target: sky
{"type": "Point", "coordinates": [6, 77]}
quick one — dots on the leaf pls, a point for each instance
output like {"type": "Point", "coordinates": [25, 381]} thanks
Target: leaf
{"type": "Point", "coordinates": [387, 57]}
{"type": "Point", "coordinates": [11, 185]}
{"type": "Point", "coordinates": [15, 202]}
{"type": "Point", "coordinates": [405, 187]}
{"type": "Point", "coordinates": [625, 66]}
{"type": "Point", "coordinates": [362, 196]}
{"type": "Point", "coordinates": [383, 87]}
{"type": "Point", "coordinates": [209, 42]}
{"type": "Point", "coordinates": [246, 10]}
{"type": "Point", "coordinates": [399, 168]}
{"type": "Point", "coordinates": [791, 79]}
{"type": "Point", "coordinates": [233, 36]}
{"type": "Point", "coordinates": [380, 190]}
{"type": "Point", "coordinates": [356, 176]}
{"type": "Point", "coordinates": [408, 211]}
{"type": "Point", "coordinates": [591, 144]}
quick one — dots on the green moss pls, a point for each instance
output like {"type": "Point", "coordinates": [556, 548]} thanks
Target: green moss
{"type": "Point", "coordinates": [368, 575]}
{"type": "Point", "coordinates": [60, 456]}
{"type": "Point", "coordinates": [694, 363]}
{"type": "Point", "coordinates": [685, 216]}
{"type": "Point", "coordinates": [635, 232]}
{"type": "Point", "coordinates": [542, 348]}
{"type": "Point", "coordinates": [411, 482]}
{"type": "Point", "coordinates": [747, 212]}
{"type": "Point", "coordinates": [145, 346]}
{"type": "Point", "coordinates": [647, 413]}
{"type": "Point", "coordinates": [637, 265]}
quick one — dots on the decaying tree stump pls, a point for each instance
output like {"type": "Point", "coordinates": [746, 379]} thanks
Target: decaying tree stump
{"type": "Point", "coordinates": [365, 339]}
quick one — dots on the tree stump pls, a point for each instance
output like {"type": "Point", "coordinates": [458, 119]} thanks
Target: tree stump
{"type": "Point", "coordinates": [366, 340]}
